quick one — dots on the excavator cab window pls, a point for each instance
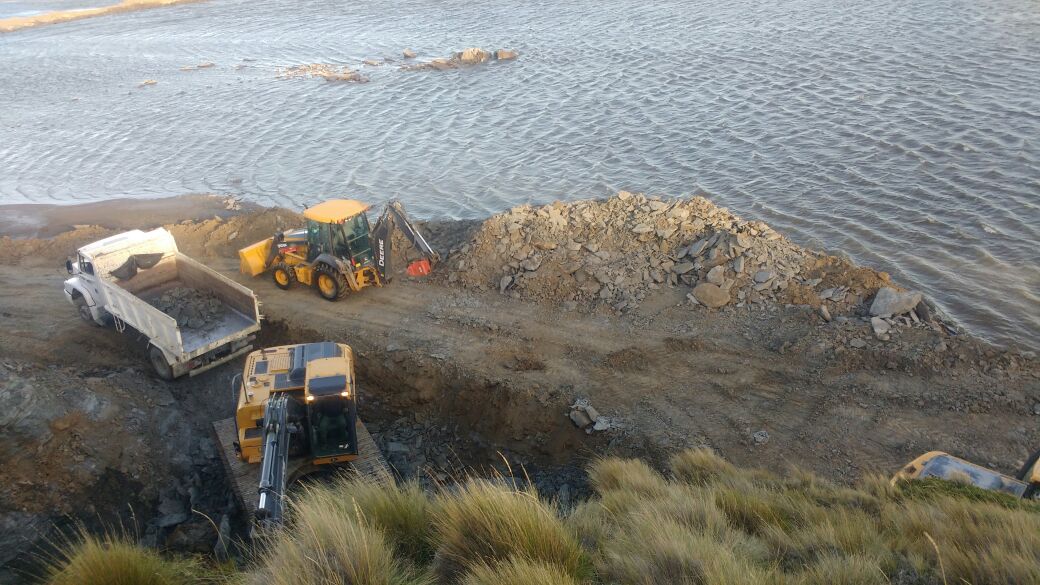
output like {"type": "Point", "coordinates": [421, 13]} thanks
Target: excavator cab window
{"type": "Point", "coordinates": [330, 427]}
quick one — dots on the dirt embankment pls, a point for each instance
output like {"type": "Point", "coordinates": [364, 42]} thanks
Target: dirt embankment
{"type": "Point", "coordinates": [55, 16]}
{"type": "Point", "coordinates": [532, 311]}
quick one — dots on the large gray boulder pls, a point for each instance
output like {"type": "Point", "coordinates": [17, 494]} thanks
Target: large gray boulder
{"type": "Point", "coordinates": [889, 302]}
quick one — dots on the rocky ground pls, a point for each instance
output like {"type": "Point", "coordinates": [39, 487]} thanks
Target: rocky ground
{"type": "Point", "coordinates": [546, 337]}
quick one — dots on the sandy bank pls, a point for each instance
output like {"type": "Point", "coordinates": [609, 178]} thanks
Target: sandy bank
{"type": "Point", "coordinates": [19, 22]}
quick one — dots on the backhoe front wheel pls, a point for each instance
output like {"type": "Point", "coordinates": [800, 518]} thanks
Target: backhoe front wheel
{"type": "Point", "coordinates": [284, 276]}
{"type": "Point", "coordinates": [330, 284]}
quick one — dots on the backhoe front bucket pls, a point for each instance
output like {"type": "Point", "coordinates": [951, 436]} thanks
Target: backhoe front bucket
{"type": "Point", "coordinates": [252, 260]}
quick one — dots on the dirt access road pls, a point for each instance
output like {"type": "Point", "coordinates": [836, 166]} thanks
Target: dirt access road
{"type": "Point", "coordinates": [670, 378]}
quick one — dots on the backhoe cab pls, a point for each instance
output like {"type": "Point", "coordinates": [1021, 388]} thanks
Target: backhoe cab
{"type": "Point", "coordinates": [338, 251]}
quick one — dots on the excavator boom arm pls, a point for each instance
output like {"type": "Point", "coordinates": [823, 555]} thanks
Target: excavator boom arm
{"type": "Point", "coordinates": [275, 457]}
{"type": "Point", "coordinates": [394, 216]}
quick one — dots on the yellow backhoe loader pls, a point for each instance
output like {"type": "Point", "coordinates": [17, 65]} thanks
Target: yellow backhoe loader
{"type": "Point", "coordinates": [338, 251]}
{"type": "Point", "coordinates": [1025, 484]}
{"type": "Point", "coordinates": [296, 414]}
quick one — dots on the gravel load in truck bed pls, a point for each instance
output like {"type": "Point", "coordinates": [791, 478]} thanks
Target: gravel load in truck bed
{"type": "Point", "coordinates": [191, 308]}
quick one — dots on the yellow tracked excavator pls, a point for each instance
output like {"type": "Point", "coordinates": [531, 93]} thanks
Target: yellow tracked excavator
{"type": "Point", "coordinates": [338, 251]}
{"type": "Point", "coordinates": [296, 414]}
{"type": "Point", "coordinates": [937, 464]}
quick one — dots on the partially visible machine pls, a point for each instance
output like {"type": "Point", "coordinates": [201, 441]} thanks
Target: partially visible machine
{"type": "Point", "coordinates": [296, 413]}
{"type": "Point", "coordinates": [945, 466]}
{"type": "Point", "coordinates": [338, 251]}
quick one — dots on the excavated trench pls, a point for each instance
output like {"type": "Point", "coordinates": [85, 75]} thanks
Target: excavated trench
{"type": "Point", "coordinates": [434, 420]}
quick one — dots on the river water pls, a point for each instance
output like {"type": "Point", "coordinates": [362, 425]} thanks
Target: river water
{"type": "Point", "coordinates": [904, 134]}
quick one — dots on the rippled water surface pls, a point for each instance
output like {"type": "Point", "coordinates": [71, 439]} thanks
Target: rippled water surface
{"type": "Point", "coordinates": [906, 134]}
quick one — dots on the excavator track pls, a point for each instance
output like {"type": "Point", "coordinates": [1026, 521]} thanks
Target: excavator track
{"type": "Point", "coordinates": [245, 477]}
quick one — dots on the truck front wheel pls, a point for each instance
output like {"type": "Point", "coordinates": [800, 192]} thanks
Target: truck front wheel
{"type": "Point", "coordinates": [84, 311]}
{"type": "Point", "coordinates": [162, 368]}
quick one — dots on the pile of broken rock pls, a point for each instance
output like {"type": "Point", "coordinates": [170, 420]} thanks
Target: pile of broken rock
{"type": "Point", "coordinates": [616, 252]}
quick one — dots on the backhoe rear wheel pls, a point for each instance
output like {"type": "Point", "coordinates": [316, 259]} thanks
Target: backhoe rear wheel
{"type": "Point", "coordinates": [330, 283]}
{"type": "Point", "coordinates": [284, 276]}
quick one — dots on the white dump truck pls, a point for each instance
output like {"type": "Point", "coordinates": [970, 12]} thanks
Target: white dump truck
{"type": "Point", "coordinates": [193, 317]}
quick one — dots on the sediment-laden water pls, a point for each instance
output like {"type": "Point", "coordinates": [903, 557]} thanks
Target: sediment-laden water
{"type": "Point", "coordinates": [906, 134]}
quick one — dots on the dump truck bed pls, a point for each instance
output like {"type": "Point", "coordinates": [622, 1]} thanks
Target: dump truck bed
{"type": "Point", "coordinates": [184, 307]}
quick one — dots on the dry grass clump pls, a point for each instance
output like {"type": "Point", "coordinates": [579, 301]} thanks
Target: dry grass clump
{"type": "Point", "coordinates": [115, 560]}
{"type": "Point", "coordinates": [485, 522]}
{"type": "Point", "coordinates": [612, 474]}
{"type": "Point", "coordinates": [332, 540]}
{"type": "Point", "coordinates": [403, 513]}
{"type": "Point", "coordinates": [517, 571]}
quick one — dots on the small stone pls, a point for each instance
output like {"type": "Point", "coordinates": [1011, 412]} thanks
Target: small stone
{"type": "Point", "coordinates": [503, 284]}
{"type": "Point", "coordinates": [826, 314]}
{"type": "Point", "coordinates": [764, 276]}
{"type": "Point", "coordinates": [738, 265]}
{"type": "Point", "coordinates": [682, 267]}
{"type": "Point", "coordinates": [408, 54]}
{"type": "Point", "coordinates": [505, 55]}
{"type": "Point", "coordinates": [697, 247]}
{"type": "Point", "coordinates": [923, 312]}
{"type": "Point", "coordinates": [531, 264]}
{"type": "Point", "coordinates": [710, 295]}
{"type": "Point", "coordinates": [880, 326]}
{"type": "Point", "coordinates": [717, 275]}
{"type": "Point", "coordinates": [624, 195]}
{"type": "Point", "coordinates": [580, 418]}
{"type": "Point", "coordinates": [761, 437]}
{"type": "Point", "coordinates": [642, 229]}
{"type": "Point", "coordinates": [858, 343]}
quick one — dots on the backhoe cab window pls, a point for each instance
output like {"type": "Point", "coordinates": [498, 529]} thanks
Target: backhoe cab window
{"type": "Point", "coordinates": [317, 239]}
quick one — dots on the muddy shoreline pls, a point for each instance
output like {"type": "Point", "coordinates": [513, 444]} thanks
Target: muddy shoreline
{"type": "Point", "coordinates": [459, 372]}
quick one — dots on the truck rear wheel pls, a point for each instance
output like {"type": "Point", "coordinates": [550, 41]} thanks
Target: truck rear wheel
{"type": "Point", "coordinates": [284, 276]}
{"type": "Point", "coordinates": [162, 368]}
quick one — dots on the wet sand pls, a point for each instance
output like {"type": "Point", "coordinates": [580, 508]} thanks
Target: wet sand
{"type": "Point", "coordinates": [55, 16]}
{"type": "Point", "coordinates": [32, 220]}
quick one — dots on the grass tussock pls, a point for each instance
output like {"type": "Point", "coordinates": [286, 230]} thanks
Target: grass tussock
{"type": "Point", "coordinates": [332, 539]}
{"type": "Point", "coordinates": [486, 522]}
{"type": "Point", "coordinates": [115, 560]}
{"type": "Point", "coordinates": [402, 513]}
{"type": "Point", "coordinates": [517, 571]}
{"type": "Point", "coordinates": [707, 523]}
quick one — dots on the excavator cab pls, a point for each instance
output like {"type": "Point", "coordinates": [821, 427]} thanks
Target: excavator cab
{"type": "Point", "coordinates": [331, 411]}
